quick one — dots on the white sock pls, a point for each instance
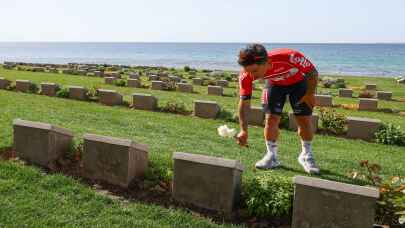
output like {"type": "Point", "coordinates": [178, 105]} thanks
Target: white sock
{"type": "Point", "coordinates": [272, 148]}
{"type": "Point", "coordinates": [306, 148]}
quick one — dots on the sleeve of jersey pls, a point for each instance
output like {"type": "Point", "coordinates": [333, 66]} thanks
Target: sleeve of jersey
{"type": "Point", "coordinates": [302, 63]}
{"type": "Point", "coordinates": [245, 86]}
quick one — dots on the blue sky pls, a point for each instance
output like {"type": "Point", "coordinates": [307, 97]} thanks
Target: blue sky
{"type": "Point", "coordinates": [203, 20]}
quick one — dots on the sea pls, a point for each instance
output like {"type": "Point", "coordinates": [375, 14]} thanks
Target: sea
{"type": "Point", "coordinates": [383, 60]}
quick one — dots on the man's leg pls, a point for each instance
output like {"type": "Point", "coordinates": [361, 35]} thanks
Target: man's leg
{"type": "Point", "coordinates": [273, 103]}
{"type": "Point", "coordinates": [303, 117]}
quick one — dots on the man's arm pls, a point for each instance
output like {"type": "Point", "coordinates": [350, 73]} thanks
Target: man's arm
{"type": "Point", "coordinates": [312, 81]}
{"type": "Point", "coordinates": [244, 106]}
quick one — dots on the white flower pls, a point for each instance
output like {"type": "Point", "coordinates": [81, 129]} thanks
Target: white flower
{"type": "Point", "coordinates": [225, 131]}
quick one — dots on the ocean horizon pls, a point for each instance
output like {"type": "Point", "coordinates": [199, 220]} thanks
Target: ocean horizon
{"type": "Point", "coordinates": [357, 59]}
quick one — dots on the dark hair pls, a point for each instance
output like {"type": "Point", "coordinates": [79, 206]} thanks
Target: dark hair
{"type": "Point", "coordinates": [252, 54]}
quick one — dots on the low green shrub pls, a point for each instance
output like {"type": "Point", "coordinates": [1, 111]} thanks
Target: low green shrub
{"type": "Point", "coordinates": [228, 116]}
{"type": "Point", "coordinates": [284, 121]}
{"type": "Point", "coordinates": [176, 108]}
{"type": "Point", "coordinates": [33, 88]}
{"type": "Point", "coordinates": [391, 205]}
{"type": "Point", "coordinates": [390, 134]}
{"type": "Point", "coordinates": [339, 84]}
{"type": "Point", "coordinates": [187, 68]}
{"type": "Point", "coordinates": [120, 83]}
{"type": "Point", "coordinates": [269, 195]}
{"type": "Point", "coordinates": [63, 93]}
{"type": "Point", "coordinates": [332, 121]}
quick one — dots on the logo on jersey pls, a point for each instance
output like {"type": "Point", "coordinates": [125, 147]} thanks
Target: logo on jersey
{"type": "Point", "coordinates": [300, 60]}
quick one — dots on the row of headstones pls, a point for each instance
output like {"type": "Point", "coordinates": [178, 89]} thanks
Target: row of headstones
{"type": "Point", "coordinates": [208, 182]}
{"type": "Point", "coordinates": [365, 104]}
{"type": "Point", "coordinates": [381, 95]}
{"type": "Point", "coordinates": [157, 83]}
{"type": "Point", "coordinates": [203, 109]}
{"type": "Point", "coordinates": [358, 128]}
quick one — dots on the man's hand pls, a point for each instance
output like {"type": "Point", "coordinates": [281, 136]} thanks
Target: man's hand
{"type": "Point", "coordinates": [242, 138]}
{"type": "Point", "coordinates": [308, 99]}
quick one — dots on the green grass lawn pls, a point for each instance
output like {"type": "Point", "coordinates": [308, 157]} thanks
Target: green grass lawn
{"type": "Point", "coordinates": [31, 197]}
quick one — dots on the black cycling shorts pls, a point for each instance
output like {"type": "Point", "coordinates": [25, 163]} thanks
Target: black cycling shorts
{"type": "Point", "coordinates": [274, 97]}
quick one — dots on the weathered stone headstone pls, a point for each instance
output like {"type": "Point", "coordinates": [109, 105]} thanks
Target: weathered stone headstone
{"type": "Point", "coordinates": [4, 83]}
{"type": "Point", "coordinates": [197, 81]}
{"type": "Point", "coordinates": [346, 93]}
{"type": "Point", "coordinates": [215, 90]}
{"type": "Point", "coordinates": [206, 109]}
{"type": "Point", "coordinates": [23, 85]}
{"type": "Point", "coordinates": [223, 83]}
{"type": "Point", "coordinates": [368, 104]}
{"type": "Point", "coordinates": [153, 77]}
{"type": "Point", "coordinates": [109, 97]}
{"type": "Point", "coordinates": [110, 80]}
{"type": "Point", "coordinates": [185, 87]}
{"type": "Point", "coordinates": [323, 100]}
{"type": "Point", "coordinates": [362, 128]}
{"type": "Point", "coordinates": [292, 123]}
{"type": "Point", "coordinates": [255, 116]}
{"type": "Point", "coordinates": [49, 89]}
{"type": "Point", "coordinates": [144, 101]}
{"type": "Point", "coordinates": [174, 79]}
{"type": "Point", "coordinates": [158, 85]}
{"type": "Point", "coordinates": [135, 83]}
{"type": "Point", "coordinates": [383, 95]}
{"type": "Point", "coordinates": [371, 87]}
{"type": "Point", "coordinates": [40, 143]}
{"type": "Point", "coordinates": [78, 93]}
{"type": "Point", "coordinates": [134, 76]}
{"type": "Point", "coordinates": [116, 161]}
{"type": "Point", "coordinates": [332, 204]}
{"type": "Point", "coordinates": [207, 182]}
{"type": "Point", "coordinates": [82, 72]}
{"type": "Point", "coordinates": [38, 69]}
{"type": "Point", "coordinates": [98, 73]}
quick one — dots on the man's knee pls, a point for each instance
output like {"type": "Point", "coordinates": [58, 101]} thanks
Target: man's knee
{"type": "Point", "coordinates": [272, 120]}
{"type": "Point", "coordinates": [304, 122]}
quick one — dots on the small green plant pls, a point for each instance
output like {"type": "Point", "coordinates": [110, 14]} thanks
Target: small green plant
{"type": "Point", "coordinates": [269, 195]}
{"type": "Point", "coordinates": [332, 121]}
{"type": "Point", "coordinates": [284, 121]}
{"type": "Point", "coordinates": [366, 94]}
{"type": "Point", "coordinates": [187, 68]}
{"type": "Point", "coordinates": [340, 84]}
{"type": "Point", "coordinates": [120, 83]}
{"type": "Point", "coordinates": [33, 88]}
{"type": "Point", "coordinates": [390, 134]}
{"type": "Point", "coordinates": [391, 205]}
{"type": "Point", "coordinates": [63, 93]}
{"type": "Point", "coordinates": [93, 92]}
{"type": "Point", "coordinates": [227, 116]}
{"type": "Point", "coordinates": [177, 108]}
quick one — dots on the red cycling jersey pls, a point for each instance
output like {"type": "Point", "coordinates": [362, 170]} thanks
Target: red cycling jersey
{"type": "Point", "coordinates": [287, 68]}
